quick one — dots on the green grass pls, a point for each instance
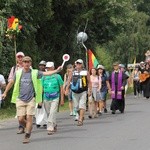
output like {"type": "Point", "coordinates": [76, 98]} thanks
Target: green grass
{"type": "Point", "coordinates": [6, 113]}
{"type": "Point", "coordinates": [10, 112]}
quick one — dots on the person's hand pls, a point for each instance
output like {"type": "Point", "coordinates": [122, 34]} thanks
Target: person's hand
{"type": "Point", "coordinates": [89, 93]}
{"type": "Point", "coordinates": [4, 96]}
{"type": "Point", "coordinates": [122, 88]}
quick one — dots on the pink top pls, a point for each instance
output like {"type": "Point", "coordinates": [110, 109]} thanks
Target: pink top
{"type": "Point", "coordinates": [96, 81]}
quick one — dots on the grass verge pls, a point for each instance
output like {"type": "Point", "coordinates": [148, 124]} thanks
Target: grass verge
{"type": "Point", "coordinates": [10, 112]}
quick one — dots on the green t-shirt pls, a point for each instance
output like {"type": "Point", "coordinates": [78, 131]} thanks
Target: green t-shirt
{"type": "Point", "coordinates": [51, 86]}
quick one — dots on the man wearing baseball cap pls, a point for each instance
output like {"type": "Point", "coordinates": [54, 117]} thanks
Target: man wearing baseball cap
{"type": "Point", "coordinates": [18, 66]}
{"type": "Point", "coordinates": [80, 83]}
{"type": "Point", "coordinates": [19, 57]}
{"type": "Point", "coordinates": [27, 90]}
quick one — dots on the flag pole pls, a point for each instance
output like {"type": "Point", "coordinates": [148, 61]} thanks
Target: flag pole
{"type": "Point", "coordinates": [15, 48]}
{"type": "Point", "coordinates": [86, 55]}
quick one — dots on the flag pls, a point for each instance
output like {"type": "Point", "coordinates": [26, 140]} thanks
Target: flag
{"type": "Point", "coordinates": [93, 62]}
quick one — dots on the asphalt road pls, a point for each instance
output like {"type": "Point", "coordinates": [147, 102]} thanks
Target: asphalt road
{"type": "Point", "coordinates": [128, 131]}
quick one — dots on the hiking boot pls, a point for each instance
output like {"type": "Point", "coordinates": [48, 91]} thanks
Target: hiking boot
{"type": "Point", "coordinates": [20, 131]}
{"type": "Point", "coordinates": [26, 138]}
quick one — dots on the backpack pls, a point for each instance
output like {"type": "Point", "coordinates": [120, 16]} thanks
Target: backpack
{"type": "Point", "coordinates": [79, 82]}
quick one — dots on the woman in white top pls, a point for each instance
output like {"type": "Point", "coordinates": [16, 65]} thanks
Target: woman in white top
{"type": "Point", "coordinates": [95, 97]}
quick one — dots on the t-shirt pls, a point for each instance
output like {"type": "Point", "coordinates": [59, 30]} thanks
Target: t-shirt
{"type": "Point", "coordinates": [104, 78]}
{"type": "Point", "coordinates": [27, 92]}
{"type": "Point", "coordinates": [2, 81]}
{"type": "Point", "coordinates": [51, 84]}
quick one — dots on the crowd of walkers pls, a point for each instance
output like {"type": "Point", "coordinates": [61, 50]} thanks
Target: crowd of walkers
{"type": "Point", "coordinates": [38, 93]}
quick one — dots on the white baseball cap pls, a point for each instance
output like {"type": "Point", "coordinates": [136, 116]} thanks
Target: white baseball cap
{"type": "Point", "coordinates": [49, 64]}
{"type": "Point", "coordinates": [79, 61]}
{"type": "Point", "coordinates": [42, 62]}
{"type": "Point", "coordinates": [20, 54]}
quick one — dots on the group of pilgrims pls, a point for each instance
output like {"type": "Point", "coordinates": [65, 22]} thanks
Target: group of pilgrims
{"type": "Point", "coordinates": [86, 91]}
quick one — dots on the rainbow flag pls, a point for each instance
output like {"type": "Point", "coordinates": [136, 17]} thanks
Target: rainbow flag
{"type": "Point", "coordinates": [93, 62]}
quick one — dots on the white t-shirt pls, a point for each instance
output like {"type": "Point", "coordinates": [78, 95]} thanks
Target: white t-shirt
{"type": "Point", "coordinates": [2, 81]}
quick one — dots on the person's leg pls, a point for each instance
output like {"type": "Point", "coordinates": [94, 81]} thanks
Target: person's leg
{"type": "Point", "coordinates": [101, 106]}
{"type": "Point", "coordinates": [21, 113]}
{"type": "Point", "coordinates": [70, 103]}
{"type": "Point", "coordinates": [30, 112]}
{"type": "Point", "coordinates": [90, 102]}
{"type": "Point", "coordinates": [76, 104]}
{"type": "Point", "coordinates": [82, 107]}
{"type": "Point", "coordinates": [52, 116]}
{"type": "Point", "coordinates": [134, 87]}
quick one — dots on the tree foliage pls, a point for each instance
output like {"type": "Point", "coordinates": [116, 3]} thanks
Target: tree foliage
{"type": "Point", "coordinates": [117, 29]}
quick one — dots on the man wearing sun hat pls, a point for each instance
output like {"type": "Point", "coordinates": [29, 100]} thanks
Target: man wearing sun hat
{"type": "Point", "coordinates": [27, 90]}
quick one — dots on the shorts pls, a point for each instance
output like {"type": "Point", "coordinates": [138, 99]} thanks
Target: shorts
{"type": "Point", "coordinates": [25, 108]}
{"type": "Point", "coordinates": [103, 96]}
{"type": "Point", "coordinates": [79, 100]}
{"type": "Point", "coordinates": [95, 94]}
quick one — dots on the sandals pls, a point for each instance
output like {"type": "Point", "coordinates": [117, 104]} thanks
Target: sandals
{"type": "Point", "coordinates": [50, 132]}
{"type": "Point", "coordinates": [80, 123]}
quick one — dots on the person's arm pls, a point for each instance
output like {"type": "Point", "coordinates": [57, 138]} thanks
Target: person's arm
{"type": "Point", "coordinates": [8, 87]}
{"type": "Point", "coordinates": [99, 83]}
{"type": "Point", "coordinates": [61, 95]}
{"type": "Point", "coordinates": [11, 74]}
{"type": "Point", "coordinates": [52, 72]}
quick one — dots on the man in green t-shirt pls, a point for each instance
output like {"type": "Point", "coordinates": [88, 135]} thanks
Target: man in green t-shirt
{"type": "Point", "coordinates": [52, 90]}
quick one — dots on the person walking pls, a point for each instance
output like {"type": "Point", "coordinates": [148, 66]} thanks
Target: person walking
{"type": "Point", "coordinates": [2, 86]}
{"type": "Point", "coordinates": [40, 113]}
{"type": "Point", "coordinates": [18, 66]}
{"type": "Point", "coordinates": [146, 82]}
{"type": "Point", "coordinates": [52, 90]}
{"type": "Point", "coordinates": [70, 98]}
{"type": "Point", "coordinates": [80, 82]}
{"type": "Point", "coordinates": [95, 97]}
{"type": "Point", "coordinates": [136, 81]}
{"type": "Point", "coordinates": [118, 80]}
{"type": "Point", "coordinates": [105, 87]}
{"type": "Point", "coordinates": [27, 90]}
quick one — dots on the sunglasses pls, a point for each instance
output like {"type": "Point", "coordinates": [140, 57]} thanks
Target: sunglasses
{"type": "Point", "coordinates": [26, 61]}
{"type": "Point", "coordinates": [78, 63]}
{"type": "Point", "coordinates": [19, 56]}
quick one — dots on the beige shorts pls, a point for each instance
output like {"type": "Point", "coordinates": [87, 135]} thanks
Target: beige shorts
{"type": "Point", "coordinates": [79, 100]}
{"type": "Point", "coordinates": [25, 108]}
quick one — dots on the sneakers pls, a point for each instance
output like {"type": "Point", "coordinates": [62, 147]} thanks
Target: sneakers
{"type": "Point", "coordinates": [76, 117]}
{"type": "Point", "coordinates": [71, 113]}
{"type": "Point", "coordinates": [26, 138]}
{"type": "Point", "coordinates": [74, 113]}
